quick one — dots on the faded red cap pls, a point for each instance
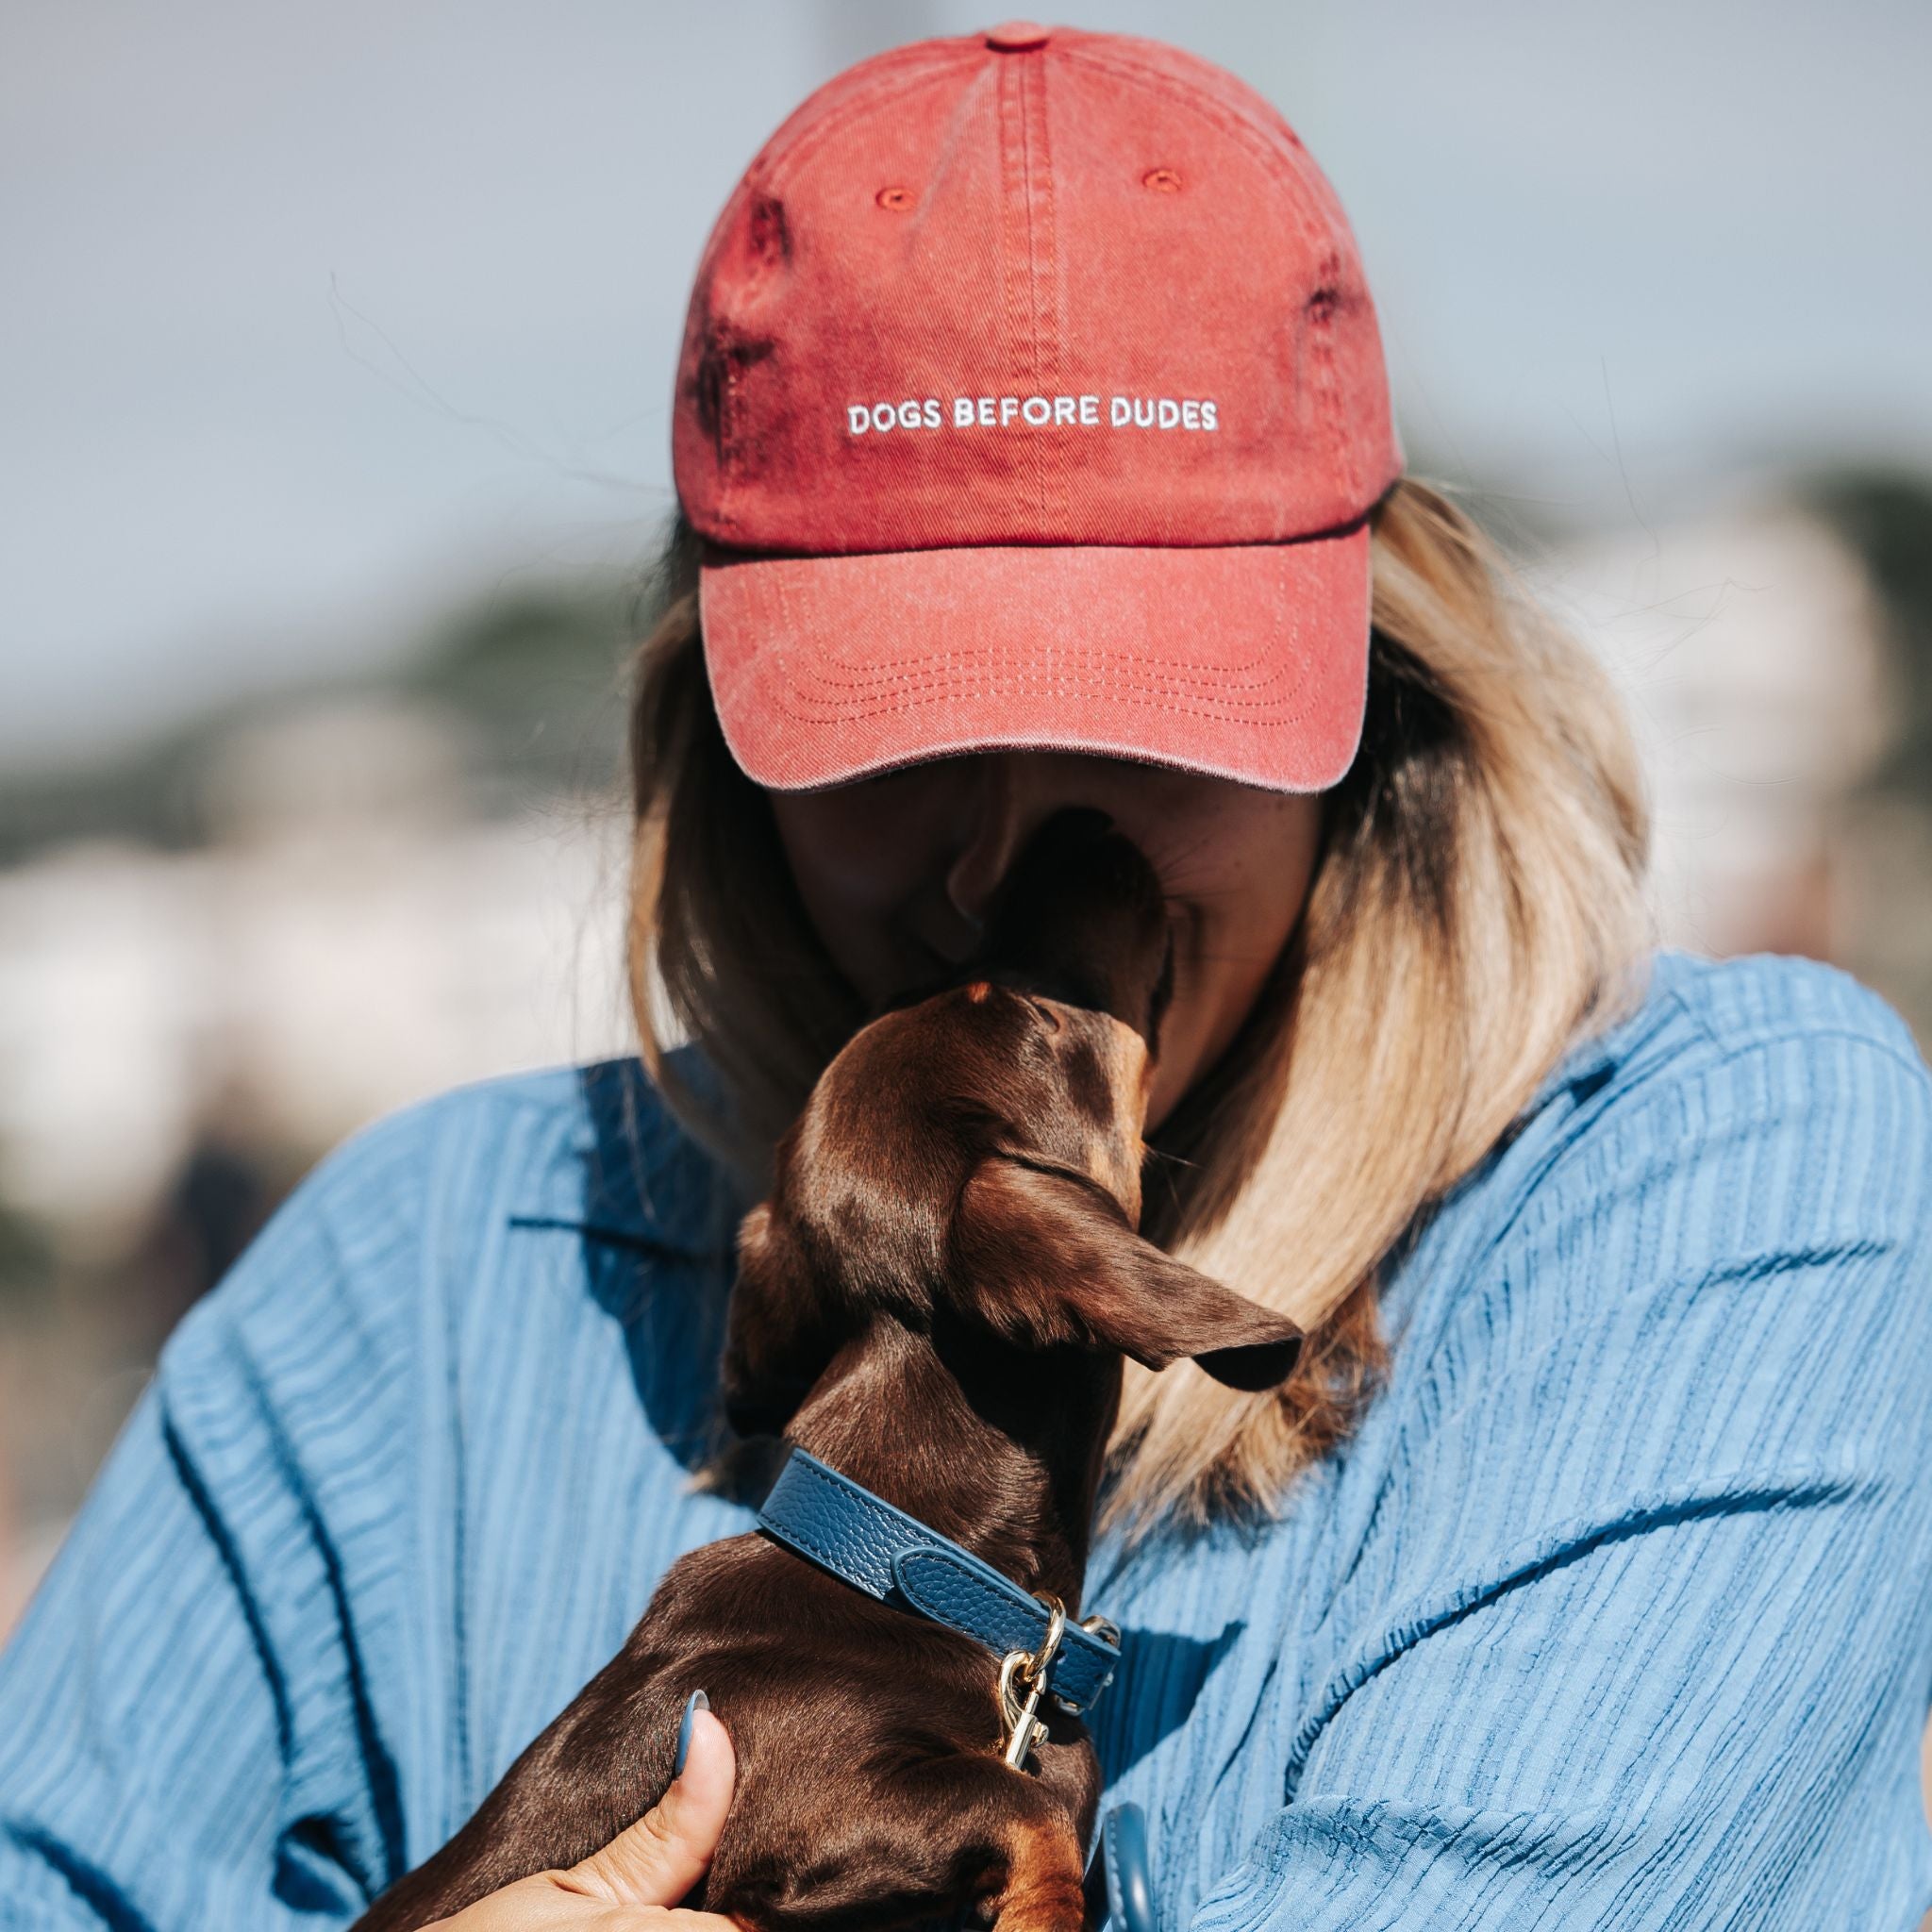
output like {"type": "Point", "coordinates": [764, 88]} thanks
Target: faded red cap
{"type": "Point", "coordinates": [1032, 395]}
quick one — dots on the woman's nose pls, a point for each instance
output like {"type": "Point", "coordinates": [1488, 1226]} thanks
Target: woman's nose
{"type": "Point", "coordinates": [988, 838]}
{"type": "Point", "coordinates": [1012, 795]}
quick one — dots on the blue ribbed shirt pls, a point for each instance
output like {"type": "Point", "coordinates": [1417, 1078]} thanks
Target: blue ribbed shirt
{"type": "Point", "coordinates": [1615, 1613]}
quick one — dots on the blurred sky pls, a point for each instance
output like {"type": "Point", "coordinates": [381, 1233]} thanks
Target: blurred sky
{"type": "Point", "coordinates": [314, 314]}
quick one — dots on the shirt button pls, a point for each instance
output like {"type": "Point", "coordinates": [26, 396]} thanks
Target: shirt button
{"type": "Point", "coordinates": [1016, 36]}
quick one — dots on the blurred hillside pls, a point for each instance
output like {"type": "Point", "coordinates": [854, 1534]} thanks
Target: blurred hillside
{"type": "Point", "coordinates": [222, 952]}
{"type": "Point", "coordinates": [1886, 517]}
{"type": "Point", "coordinates": [521, 683]}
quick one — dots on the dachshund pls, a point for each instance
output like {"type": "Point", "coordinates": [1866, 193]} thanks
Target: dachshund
{"type": "Point", "coordinates": [935, 1300]}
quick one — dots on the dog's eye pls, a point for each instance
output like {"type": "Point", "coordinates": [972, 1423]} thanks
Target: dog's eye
{"type": "Point", "coordinates": [1047, 1013]}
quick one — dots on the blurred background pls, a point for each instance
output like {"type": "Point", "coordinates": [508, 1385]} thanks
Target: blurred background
{"type": "Point", "coordinates": [336, 377]}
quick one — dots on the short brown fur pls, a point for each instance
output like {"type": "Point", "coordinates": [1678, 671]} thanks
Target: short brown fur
{"type": "Point", "coordinates": [936, 1299]}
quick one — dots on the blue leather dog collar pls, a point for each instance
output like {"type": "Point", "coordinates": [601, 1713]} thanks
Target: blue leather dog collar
{"type": "Point", "coordinates": [861, 1538]}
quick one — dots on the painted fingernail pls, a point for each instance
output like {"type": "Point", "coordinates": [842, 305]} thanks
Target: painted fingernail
{"type": "Point", "coordinates": [696, 1702]}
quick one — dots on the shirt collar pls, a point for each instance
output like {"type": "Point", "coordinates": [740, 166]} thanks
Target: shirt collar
{"type": "Point", "coordinates": [631, 1173]}
{"type": "Point", "coordinates": [628, 1171]}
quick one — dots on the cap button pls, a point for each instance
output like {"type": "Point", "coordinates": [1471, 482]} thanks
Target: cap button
{"type": "Point", "coordinates": [1016, 36]}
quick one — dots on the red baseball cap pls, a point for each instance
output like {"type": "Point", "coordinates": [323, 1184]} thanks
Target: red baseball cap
{"type": "Point", "coordinates": [1032, 397]}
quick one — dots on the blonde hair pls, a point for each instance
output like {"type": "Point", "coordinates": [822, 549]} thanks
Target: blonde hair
{"type": "Point", "coordinates": [1476, 909]}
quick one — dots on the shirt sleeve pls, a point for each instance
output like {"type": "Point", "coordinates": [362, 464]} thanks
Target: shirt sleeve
{"type": "Point", "coordinates": [1663, 1652]}
{"type": "Point", "coordinates": [185, 1741]}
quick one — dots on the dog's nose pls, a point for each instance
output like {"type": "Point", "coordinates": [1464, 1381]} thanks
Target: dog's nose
{"type": "Point", "coordinates": [1082, 916]}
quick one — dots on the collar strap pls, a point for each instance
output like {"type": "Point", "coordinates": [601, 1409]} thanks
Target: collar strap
{"type": "Point", "coordinates": [861, 1538]}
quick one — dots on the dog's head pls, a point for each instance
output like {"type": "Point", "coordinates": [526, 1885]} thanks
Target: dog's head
{"type": "Point", "coordinates": [978, 1152]}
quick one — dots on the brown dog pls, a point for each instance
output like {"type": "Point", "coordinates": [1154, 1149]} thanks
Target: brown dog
{"type": "Point", "coordinates": [934, 1301]}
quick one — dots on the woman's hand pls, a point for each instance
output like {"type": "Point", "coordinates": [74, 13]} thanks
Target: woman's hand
{"type": "Point", "coordinates": [637, 1879]}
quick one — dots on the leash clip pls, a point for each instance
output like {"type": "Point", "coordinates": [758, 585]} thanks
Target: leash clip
{"type": "Point", "coordinates": [1024, 1680]}
{"type": "Point", "coordinates": [1030, 1668]}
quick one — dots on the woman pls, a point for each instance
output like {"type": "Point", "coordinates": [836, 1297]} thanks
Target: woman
{"type": "Point", "coordinates": [1034, 447]}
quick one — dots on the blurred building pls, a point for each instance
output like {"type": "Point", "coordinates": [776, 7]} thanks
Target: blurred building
{"type": "Point", "coordinates": [222, 955]}
{"type": "Point", "coordinates": [1749, 645]}
{"type": "Point", "coordinates": [348, 943]}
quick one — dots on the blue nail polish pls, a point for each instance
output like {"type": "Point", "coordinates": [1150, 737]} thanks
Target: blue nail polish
{"type": "Point", "coordinates": [696, 1702]}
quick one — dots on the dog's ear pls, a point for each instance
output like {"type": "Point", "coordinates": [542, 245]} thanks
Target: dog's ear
{"type": "Point", "coordinates": [779, 1333]}
{"type": "Point", "coordinates": [1045, 1256]}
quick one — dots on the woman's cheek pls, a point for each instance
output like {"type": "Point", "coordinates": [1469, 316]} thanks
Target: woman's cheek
{"type": "Point", "coordinates": [1175, 1070]}
{"type": "Point", "coordinates": [1236, 875]}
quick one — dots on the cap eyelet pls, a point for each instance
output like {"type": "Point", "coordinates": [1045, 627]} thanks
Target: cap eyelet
{"type": "Point", "coordinates": [897, 199]}
{"type": "Point", "coordinates": [1162, 181]}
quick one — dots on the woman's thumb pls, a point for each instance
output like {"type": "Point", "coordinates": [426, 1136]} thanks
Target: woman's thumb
{"type": "Point", "coordinates": [656, 1860]}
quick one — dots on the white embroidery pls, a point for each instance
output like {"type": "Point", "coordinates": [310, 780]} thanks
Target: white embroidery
{"type": "Point", "coordinates": [1033, 412]}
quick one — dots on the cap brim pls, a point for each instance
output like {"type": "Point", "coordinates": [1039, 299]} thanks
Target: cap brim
{"type": "Point", "coordinates": [1247, 662]}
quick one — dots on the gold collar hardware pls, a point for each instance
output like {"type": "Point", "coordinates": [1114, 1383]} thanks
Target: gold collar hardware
{"type": "Point", "coordinates": [1023, 1680]}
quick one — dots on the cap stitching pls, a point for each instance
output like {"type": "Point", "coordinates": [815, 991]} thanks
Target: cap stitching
{"type": "Point", "coordinates": [728, 408]}
{"type": "Point", "coordinates": [799, 704]}
{"type": "Point", "coordinates": [726, 554]}
{"type": "Point", "coordinates": [1015, 198]}
{"type": "Point", "coordinates": [729, 554]}
{"type": "Point", "coordinates": [936, 691]}
{"type": "Point", "coordinates": [941, 684]}
{"type": "Point", "coordinates": [772, 162]}
{"type": "Point", "coordinates": [770, 167]}
{"type": "Point", "coordinates": [1205, 106]}
{"type": "Point", "coordinates": [831, 704]}
{"type": "Point", "coordinates": [1036, 366]}
{"type": "Point", "coordinates": [1323, 243]}
{"type": "Point", "coordinates": [1328, 387]}
{"type": "Point", "coordinates": [1255, 674]}
{"type": "Point", "coordinates": [1273, 143]}
{"type": "Point", "coordinates": [1210, 110]}
{"type": "Point", "coordinates": [767, 177]}
{"type": "Point", "coordinates": [886, 670]}
{"type": "Point", "coordinates": [1131, 53]}
{"type": "Point", "coordinates": [1052, 456]}
{"type": "Point", "coordinates": [1090, 741]}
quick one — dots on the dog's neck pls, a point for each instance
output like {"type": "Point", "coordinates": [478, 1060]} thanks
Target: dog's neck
{"type": "Point", "coordinates": [996, 1447]}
